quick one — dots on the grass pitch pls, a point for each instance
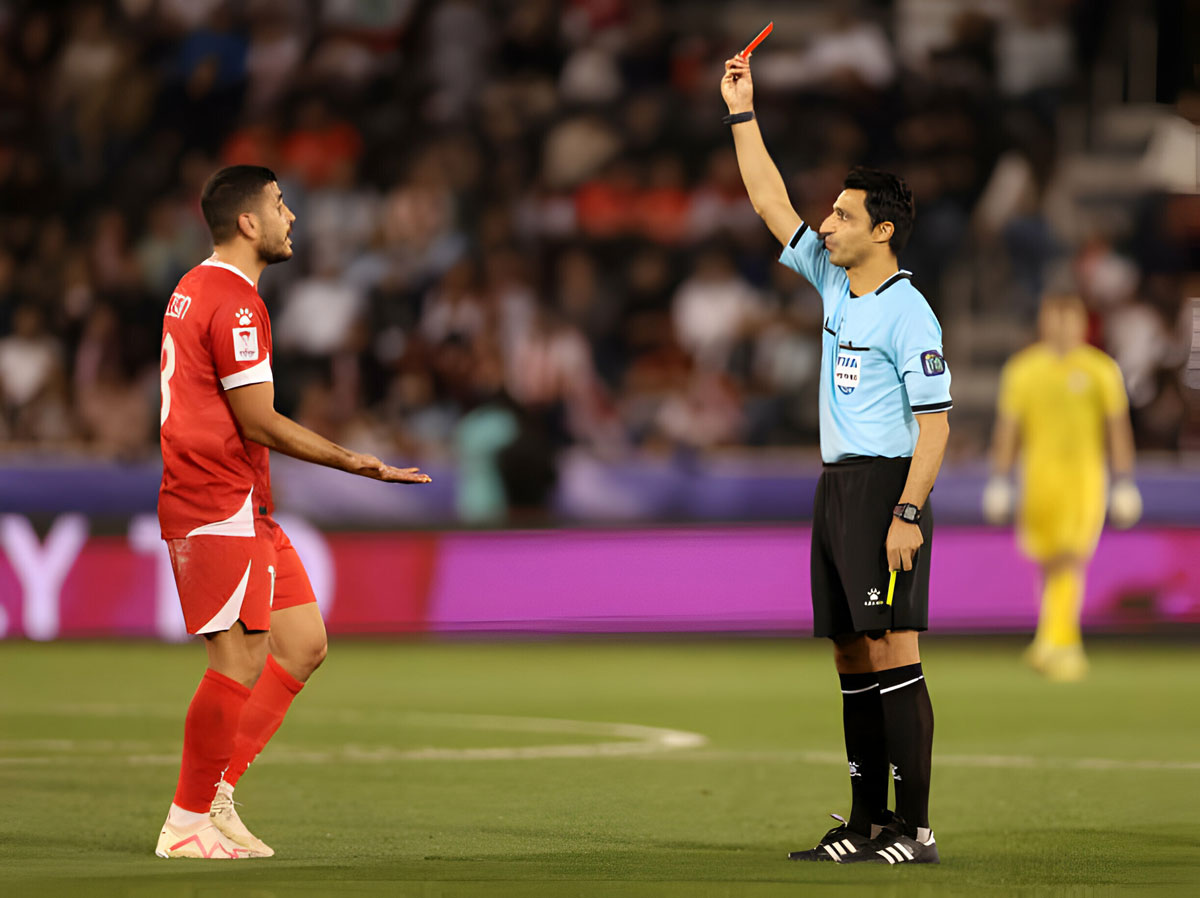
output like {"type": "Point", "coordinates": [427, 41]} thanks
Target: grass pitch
{"type": "Point", "coordinates": [501, 769]}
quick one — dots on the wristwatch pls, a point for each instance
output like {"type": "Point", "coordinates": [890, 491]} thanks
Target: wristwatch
{"type": "Point", "coordinates": [907, 512]}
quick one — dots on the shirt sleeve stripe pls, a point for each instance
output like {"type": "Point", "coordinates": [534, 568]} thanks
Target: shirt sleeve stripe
{"type": "Point", "coordinates": [259, 374]}
{"type": "Point", "coordinates": [933, 407]}
{"type": "Point", "coordinates": [799, 233]}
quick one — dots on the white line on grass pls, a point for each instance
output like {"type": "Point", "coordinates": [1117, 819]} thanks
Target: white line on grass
{"type": "Point", "coordinates": [945, 760]}
{"type": "Point", "coordinates": [636, 741]}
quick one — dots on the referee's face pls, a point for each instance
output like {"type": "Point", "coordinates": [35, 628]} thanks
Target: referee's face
{"type": "Point", "coordinates": [847, 231]}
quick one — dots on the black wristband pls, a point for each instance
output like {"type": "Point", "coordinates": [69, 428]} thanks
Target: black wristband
{"type": "Point", "coordinates": [737, 118]}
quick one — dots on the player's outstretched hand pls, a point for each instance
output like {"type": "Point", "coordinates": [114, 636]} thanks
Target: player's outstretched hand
{"type": "Point", "coordinates": [737, 88]}
{"type": "Point", "coordinates": [370, 466]}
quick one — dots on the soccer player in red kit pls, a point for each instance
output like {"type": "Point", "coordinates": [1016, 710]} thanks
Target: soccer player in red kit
{"type": "Point", "coordinates": [241, 584]}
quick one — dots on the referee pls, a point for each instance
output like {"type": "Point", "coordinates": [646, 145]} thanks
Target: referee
{"type": "Point", "coordinates": [884, 399]}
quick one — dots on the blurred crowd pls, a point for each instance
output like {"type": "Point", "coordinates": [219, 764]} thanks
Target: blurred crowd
{"type": "Point", "coordinates": [521, 226]}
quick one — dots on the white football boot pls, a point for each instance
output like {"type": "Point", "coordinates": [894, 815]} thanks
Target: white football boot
{"type": "Point", "coordinates": [224, 816]}
{"type": "Point", "coordinates": [200, 840]}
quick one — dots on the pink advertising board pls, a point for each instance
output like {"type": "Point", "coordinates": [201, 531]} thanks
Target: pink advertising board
{"type": "Point", "coordinates": [65, 583]}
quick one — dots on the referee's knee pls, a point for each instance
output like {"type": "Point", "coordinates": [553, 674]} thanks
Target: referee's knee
{"type": "Point", "coordinates": [851, 653]}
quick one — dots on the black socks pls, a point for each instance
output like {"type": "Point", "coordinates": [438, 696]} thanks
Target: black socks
{"type": "Point", "coordinates": [908, 725]}
{"type": "Point", "coordinates": [866, 750]}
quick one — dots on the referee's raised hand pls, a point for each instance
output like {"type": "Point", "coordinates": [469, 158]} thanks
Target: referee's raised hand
{"type": "Point", "coordinates": [737, 88]}
{"type": "Point", "coordinates": [903, 541]}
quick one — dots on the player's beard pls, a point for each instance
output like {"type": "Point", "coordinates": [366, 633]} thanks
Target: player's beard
{"type": "Point", "coordinates": [279, 252]}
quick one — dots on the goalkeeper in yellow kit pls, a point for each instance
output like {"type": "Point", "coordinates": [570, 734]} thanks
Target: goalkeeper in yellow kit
{"type": "Point", "coordinates": [1062, 404]}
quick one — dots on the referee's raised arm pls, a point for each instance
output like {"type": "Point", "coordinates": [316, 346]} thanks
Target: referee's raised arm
{"type": "Point", "coordinates": [763, 182]}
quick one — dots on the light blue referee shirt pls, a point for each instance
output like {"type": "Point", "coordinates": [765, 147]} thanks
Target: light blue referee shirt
{"type": "Point", "coordinates": [881, 358]}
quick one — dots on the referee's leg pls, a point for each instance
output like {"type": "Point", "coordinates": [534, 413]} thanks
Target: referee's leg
{"type": "Point", "coordinates": [894, 658]}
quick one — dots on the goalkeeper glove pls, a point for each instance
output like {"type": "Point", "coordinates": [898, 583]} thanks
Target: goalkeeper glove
{"type": "Point", "coordinates": [1124, 503]}
{"type": "Point", "coordinates": [997, 500]}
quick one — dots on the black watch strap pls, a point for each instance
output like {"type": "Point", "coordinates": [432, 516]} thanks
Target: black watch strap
{"type": "Point", "coordinates": [907, 512]}
{"type": "Point", "coordinates": [737, 118]}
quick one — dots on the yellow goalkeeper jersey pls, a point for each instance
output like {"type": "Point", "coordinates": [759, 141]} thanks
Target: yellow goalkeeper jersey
{"type": "Point", "coordinates": [1061, 404]}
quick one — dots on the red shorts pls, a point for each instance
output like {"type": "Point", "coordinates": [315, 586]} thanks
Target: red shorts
{"type": "Point", "coordinates": [224, 579]}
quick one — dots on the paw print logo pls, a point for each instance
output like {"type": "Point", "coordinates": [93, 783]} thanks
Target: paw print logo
{"type": "Point", "coordinates": [244, 316]}
{"type": "Point", "coordinates": [873, 596]}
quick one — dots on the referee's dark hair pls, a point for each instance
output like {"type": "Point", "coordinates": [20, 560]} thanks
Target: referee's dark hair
{"type": "Point", "coordinates": [228, 193]}
{"type": "Point", "coordinates": [888, 199]}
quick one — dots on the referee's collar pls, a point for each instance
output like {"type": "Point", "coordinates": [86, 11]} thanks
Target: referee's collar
{"type": "Point", "coordinates": [901, 275]}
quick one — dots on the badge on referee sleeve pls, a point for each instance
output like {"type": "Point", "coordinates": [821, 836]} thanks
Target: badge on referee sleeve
{"type": "Point", "coordinates": [932, 363]}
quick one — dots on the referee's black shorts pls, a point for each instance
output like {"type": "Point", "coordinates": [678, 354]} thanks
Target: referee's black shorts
{"type": "Point", "coordinates": [851, 516]}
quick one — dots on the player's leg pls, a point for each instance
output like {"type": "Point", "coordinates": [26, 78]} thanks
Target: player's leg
{"type": "Point", "coordinates": [1059, 527]}
{"type": "Point", "coordinates": [297, 648]}
{"type": "Point", "coordinates": [298, 640]}
{"type": "Point", "coordinates": [224, 592]}
{"type": "Point", "coordinates": [298, 645]}
{"type": "Point", "coordinates": [1038, 526]}
{"type": "Point", "coordinates": [237, 653]}
{"type": "Point", "coordinates": [1057, 649]}
{"type": "Point", "coordinates": [235, 659]}
{"type": "Point", "coordinates": [265, 709]}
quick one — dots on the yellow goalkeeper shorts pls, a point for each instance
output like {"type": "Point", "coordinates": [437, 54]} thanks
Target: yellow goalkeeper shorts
{"type": "Point", "coordinates": [1062, 512]}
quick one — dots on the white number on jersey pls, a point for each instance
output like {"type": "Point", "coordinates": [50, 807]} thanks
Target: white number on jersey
{"type": "Point", "coordinates": [168, 371]}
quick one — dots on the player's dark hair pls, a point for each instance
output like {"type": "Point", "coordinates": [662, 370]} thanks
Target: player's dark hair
{"type": "Point", "coordinates": [888, 199]}
{"type": "Point", "coordinates": [228, 193]}
{"type": "Point", "coordinates": [1062, 300]}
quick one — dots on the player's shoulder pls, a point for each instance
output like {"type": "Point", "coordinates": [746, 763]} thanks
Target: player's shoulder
{"type": "Point", "coordinates": [223, 276]}
{"type": "Point", "coordinates": [1101, 367]}
{"type": "Point", "coordinates": [220, 279]}
{"type": "Point", "coordinates": [1096, 357]}
{"type": "Point", "coordinates": [208, 286]}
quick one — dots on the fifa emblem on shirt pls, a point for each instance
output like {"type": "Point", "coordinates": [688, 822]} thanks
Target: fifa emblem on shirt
{"type": "Point", "coordinates": [873, 598]}
{"type": "Point", "coordinates": [845, 375]}
{"type": "Point", "coordinates": [932, 363]}
{"type": "Point", "coordinates": [245, 344]}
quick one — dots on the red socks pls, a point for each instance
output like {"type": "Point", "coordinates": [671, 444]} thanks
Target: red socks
{"type": "Point", "coordinates": [227, 726]}
{"type": "Point", "coordinates": [261, 717]}
{"type": "Point", "coordinates": [208, 737]}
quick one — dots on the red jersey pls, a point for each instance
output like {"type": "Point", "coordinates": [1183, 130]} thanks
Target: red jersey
{"type": "Point", "coordinates": [216, 336]}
